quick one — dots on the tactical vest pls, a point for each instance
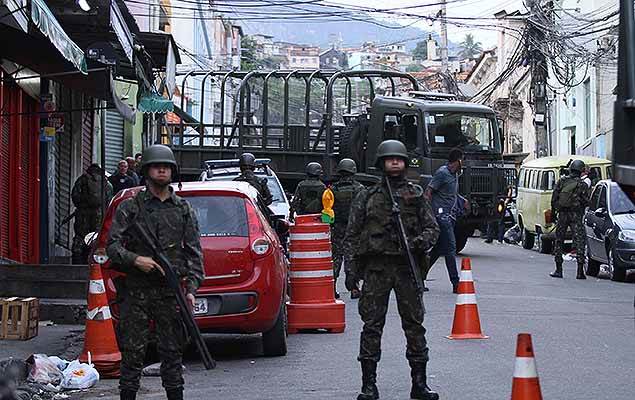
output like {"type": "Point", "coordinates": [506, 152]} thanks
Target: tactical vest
{"type": "Point", "coordinates": [344, 192]}
{"type": "Point", "coordinates": [568, 198]}
{"type": "Point", "coordinates": [380, 234]}
{"type": "Point", "coordinates": [310, 194]}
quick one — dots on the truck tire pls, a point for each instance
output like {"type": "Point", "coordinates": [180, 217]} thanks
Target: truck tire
{"type": "Point", "coordinates": [528, 240]}
{"type": "Point", "coordinates": [545, 246]}
{"type": "Point", "coordinates": [352, 142]}
{"type": "Point", "coordinates": [274, 341]}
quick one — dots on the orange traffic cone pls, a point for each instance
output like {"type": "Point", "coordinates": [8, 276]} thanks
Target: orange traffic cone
{"type": "Point", "coordinates": [99, 338]}
{"type": "Point", "coordinates": [525, 385]}
{"type": "Point", "coordinates": [467, 324]}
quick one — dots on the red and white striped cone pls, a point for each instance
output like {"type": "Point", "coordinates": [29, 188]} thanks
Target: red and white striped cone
{"type": "Point", "coordinates": [525, 385]}
{"type": "Point", "coordinates": [467, 324]}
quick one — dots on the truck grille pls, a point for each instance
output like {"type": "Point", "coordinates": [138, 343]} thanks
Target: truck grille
{"type": "Point", "coordinates": [490, 181]}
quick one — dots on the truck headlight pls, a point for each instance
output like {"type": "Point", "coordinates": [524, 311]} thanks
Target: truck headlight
{"type": "Point", "coordinates": [626, 236]}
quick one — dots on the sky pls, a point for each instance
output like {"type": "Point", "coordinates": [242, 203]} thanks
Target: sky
{"type": "Point", "coordinates": [455, 8]}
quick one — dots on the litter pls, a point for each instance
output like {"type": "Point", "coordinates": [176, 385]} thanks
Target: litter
{"type": "Point", "coordinates": [43, 370]}
{"type": "Point", "coordinates": [79, 376]}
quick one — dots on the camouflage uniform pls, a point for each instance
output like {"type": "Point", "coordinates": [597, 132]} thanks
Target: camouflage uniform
{"type": "Point", "coordinates": [373, 241]}
{"type": "Point", "coordinates": [259, 183]}
{"type": "Point", "coordinates": [570, 216]}
{"type": "Point", "coordinates": [344, 191]}
{"type": "Point", "coordinates": [308, 197]}
{"type": "Point", "coordinates": [148, 296]}
{"type": "Point", "coordinates": [86, 196]}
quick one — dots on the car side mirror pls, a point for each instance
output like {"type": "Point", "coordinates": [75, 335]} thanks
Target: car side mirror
{"type": "Point", "coordinates": [280, 225]}
{"type": "Point", "coordinates": [600, 212]}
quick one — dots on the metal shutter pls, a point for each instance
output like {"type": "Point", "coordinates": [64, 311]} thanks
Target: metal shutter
{"type": "Point", "coordinates": [87, 134]}
{"type": "Point", "coordinates": [63, 174]}
{"type": "Point", "coordinates": [114, 140]}
{"type": "Point", "coordinates": [25, 178]}
{"type": "Point", "coordinates": [4, 172]}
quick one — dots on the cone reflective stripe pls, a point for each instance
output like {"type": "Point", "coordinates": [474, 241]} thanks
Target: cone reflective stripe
{"type": "Point", "coordinates": [467, 324]}
{"type": "Point", "coordinates": [312, 304]}
{"type": "Point", "coordinates": [525, 385]}
{"type": "Point", "coordinates": [100, 343]}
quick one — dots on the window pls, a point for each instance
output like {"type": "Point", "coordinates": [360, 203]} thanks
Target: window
{"type": "Point", "coordinates": [587, 108]}
{"type": "Point", "coordinates": [620, 203]}
{"type": "Point", "coordinates": [472, 132]}
{"type": "Point", "coordinates": [404, 128]}
{"type": "Point", "coordinates": [595, 197]}
{"type": "Point", "coordinates": [532, 178]}
{"type": "Point", "coordinates": [220, 216]}
{"type": "Point", "coordinates": [521, 178]}
{"type": "Point", "coordinates": [595, 174]}
{"type": "Point", "coordinates": [602, 203]}
{"type": "Point", "coordinates": [609, 172]}
{"type": "Point", "coordinates": [548, 180]}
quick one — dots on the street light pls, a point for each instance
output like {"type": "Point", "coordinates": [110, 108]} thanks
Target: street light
{"type": "Point", "coordinates": [83, 4]}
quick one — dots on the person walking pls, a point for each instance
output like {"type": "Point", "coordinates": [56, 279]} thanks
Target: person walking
{"type": "Point", "coordinates": [569, 198]}
{"type": "Point", "coordinates": [132, 170]}
{"type": "Point", "coordinates": [87, 199]}
{"type": "Point", "coordinates": [443, 192]}
{"type": "Point", "coordinates": [308, 194]}
{"type": "Point", "coordinates": [344, 192]}
{"type": "Point", "coordinates": [373, 239]}
{"type": "Point", "coordinates": [148, 297]}
{"type": "Point", "coordinates": [120, 180]}
{"type": "Point", "coordinates": [247, 163]}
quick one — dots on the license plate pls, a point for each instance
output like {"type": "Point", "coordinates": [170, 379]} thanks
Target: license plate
{"type": "Point", "coordinates": [200, 306]}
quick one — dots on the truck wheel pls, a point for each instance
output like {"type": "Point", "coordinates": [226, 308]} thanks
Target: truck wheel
{"type": "Point", "coordinates": [545, 246]}
{"type": "Point", "coordinates": [352, 142]}
{"type": "Point", "coordinates": [528, 240]}
{"type": "Point", "coordinates": [274, 341]}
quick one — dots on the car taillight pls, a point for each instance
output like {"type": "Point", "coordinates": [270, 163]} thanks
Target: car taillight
{"type": "Point", "coordinates": [260, 243]}
{"type": "Point", "coordinates": [548, 217]}
{"type": "Point", "coordinates": [260, 246]}
{"type": "Point", "coordinates": [100, 256]}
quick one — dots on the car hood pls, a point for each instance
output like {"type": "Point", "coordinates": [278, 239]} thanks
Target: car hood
{"type": "Point", "coordinates": [625, 221]}
{"type": "Point", "coordinates": [280, 208]}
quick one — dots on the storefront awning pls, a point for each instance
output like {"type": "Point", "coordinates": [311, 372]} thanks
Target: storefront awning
{"type": "Point", "coordinates": [46, 22]}
{"type": "Point", "coordinates": [151, 103]}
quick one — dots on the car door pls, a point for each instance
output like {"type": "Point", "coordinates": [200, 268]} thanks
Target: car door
{"type": "Point", "coordinates": [590, 223]}
{"type": "Point", "coordinates": [603, 223]}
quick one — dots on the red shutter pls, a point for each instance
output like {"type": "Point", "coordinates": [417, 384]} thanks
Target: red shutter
{"type": "Point", "coordinates": [4, 169]}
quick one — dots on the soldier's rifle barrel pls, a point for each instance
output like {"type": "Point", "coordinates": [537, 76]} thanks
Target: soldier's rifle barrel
{"type": "Point", "coordinates": [175, 285]}
{"type": "Point", "coordinates": [403, 239]}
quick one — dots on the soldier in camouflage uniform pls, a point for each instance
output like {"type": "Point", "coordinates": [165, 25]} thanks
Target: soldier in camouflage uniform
{"type": "Point", "coordinates": [86, 196]}
{"type": "Point", "coordinates": [372, 238]}
{"type": "Point", "coordinates": [247, 163]}
{"type": "Point", "coordinates": [308, 195]}
{"type": "Point", "coordinates": [148, 296]}
{"type": "Point", "coordinates": [344, 192]}
{"type": "Point", "coordinates": [569, 198]}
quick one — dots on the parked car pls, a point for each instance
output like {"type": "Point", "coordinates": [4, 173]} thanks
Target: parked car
{"type": "Point", "coordinates": [227, 170]}
{"type": "Point", "coordinates": [536, 181]}
{"type": "Point", "coordinates": [609, 223]}
{"type": "Point", "coordinates": [245, 283]}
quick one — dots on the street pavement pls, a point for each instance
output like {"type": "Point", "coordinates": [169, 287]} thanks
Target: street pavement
{"type": "Point", "coordinates": [583, 334]}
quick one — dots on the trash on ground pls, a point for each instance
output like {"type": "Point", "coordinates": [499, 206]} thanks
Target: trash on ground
{"type": "Point", "coordinates": [512, 236]}
{"type": "Point", "coordinates": [78, 375]}
{"type": "Point", "coordinates": [43, 370]}
{"type": "Point", "coordinates": [155, 369]}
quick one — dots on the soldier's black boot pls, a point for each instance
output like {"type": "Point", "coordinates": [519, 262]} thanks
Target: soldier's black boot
{"type": "Point", "coordinates": [369, 379]}
{"type": "Point", "coordinates": [558, 272]}
{"type": "Point", "coordinates": [127, 394]}
{"type": "Point", "coordinates": [174, 394]}
{"type": "Point", "coordinates": [420, 389]}
{"type": "Point", "coordinates": [580, 274]}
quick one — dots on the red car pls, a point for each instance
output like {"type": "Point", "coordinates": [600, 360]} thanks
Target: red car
{"type": "Point", "coordinates": [245, 266]}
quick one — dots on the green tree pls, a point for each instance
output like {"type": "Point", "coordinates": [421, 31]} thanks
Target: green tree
{"type": "Point", "coordinates": [421, 51]}
{"type": "Point", "coordinates": [249, 54]}
{"type": "Point", "coordinates": [414, 68]}
{"type": "Point", "coordinates": [470, 48]}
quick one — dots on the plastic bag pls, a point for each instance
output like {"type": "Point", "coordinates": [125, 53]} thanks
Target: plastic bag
{"type": "Point", "coordinates": [512, 235]}
{"type": "Point", "coordinates": [79, 376]}
{"type": "Point", "coordinates": [43, 370]}
{"type": "Point", "coordinates": [60, 362]}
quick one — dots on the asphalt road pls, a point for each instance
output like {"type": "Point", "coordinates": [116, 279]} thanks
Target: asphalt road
{"type": "Point", "coordinates": [583, 334]}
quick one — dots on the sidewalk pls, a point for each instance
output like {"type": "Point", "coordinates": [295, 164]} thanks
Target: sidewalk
{"type": "Point", "coordinates": [64, 341]}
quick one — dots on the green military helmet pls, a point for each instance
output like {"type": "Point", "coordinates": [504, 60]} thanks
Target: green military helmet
{"type": "Point", "coordinates": [314, 169]}
{"type": "Point", "coordinates": [247, 160]}
{"type": "Point", "coordinates": [158, 154]}
{"type": "Point", "coordinates": [391, 148]}
{"type": "Point", "coordinates": [347, 165]}
{"type": "Point", "coordinates": [577, 166]}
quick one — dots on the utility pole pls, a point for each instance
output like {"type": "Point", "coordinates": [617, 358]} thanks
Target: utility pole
{"type": "Point", "coordinates": [539, 75]}
{"type": "Point", "coordinates": [444, 37]}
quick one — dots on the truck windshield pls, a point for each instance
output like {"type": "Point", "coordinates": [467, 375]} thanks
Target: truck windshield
{"type": "Point", "coordinates": [472, 132]}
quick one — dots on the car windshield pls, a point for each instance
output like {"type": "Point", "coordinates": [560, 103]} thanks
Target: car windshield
{"type": "Point", "coordinates": [472, 132]}
{"type": "Point", "coordinates": [620, 203]}
{"type": "Point", "coordinates": [220, 216]}
{"type": "Point", "coordinates": [274, 187]}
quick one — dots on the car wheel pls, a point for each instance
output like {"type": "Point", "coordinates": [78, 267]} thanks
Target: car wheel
{"type": "Point", "coordinates": [528, 240]}
{"type": "Point", "coordinates": [617, 272]}
{"type": "Point", "coordinates": [545, 246]}
{"type": "Point", "coordinates": [592, 266]}
{"type": "Point", "coordinates": [274, 341]}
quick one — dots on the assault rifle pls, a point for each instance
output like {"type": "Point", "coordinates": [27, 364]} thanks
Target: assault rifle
{"type": "Point", "coordinates": [175, 285]}
{"type": "Point", "coordinates": [415, 271]}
